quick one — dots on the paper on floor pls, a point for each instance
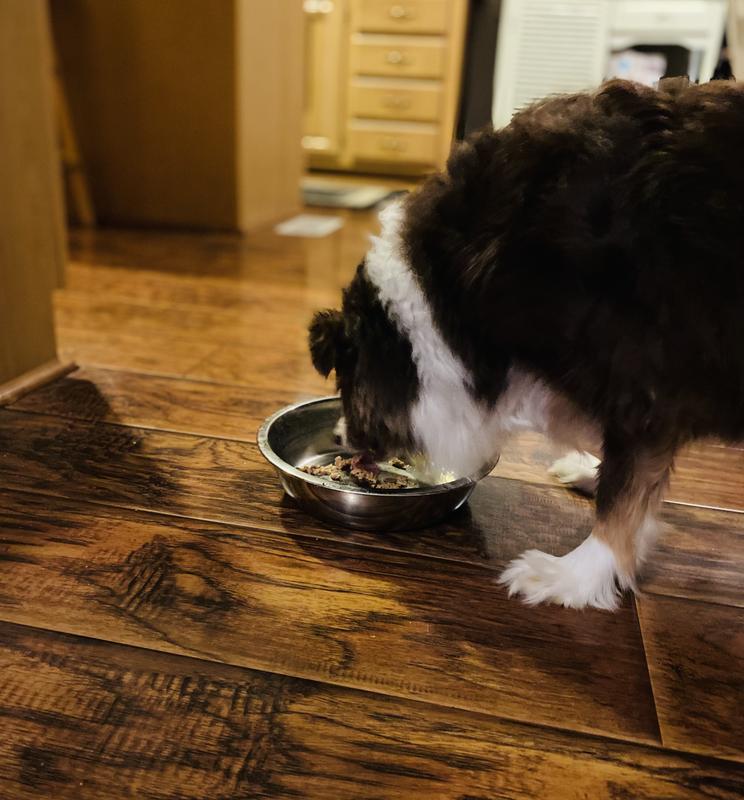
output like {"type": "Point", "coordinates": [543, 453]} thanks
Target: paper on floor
{"type": "Point", "coordinates": [312, 225]}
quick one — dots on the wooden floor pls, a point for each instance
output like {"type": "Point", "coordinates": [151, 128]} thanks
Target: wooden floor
{"type": "Point", "coordinates": [172, 627]}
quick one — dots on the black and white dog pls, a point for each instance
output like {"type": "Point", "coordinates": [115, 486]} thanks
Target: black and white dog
{"type": "Point", "coordinates": [580, 273]}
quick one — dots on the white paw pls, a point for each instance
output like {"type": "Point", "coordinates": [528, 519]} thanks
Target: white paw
{"type": "Point", "coordinates": [585, 577]}
{"type": "Point", "coordinates": [578, 470]}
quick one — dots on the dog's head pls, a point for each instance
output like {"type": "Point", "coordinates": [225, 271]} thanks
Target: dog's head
{"type": "Point", "coordinates": [375, 372]}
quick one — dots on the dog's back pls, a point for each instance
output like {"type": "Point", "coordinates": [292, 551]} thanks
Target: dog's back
{"type": "Point", "coordinates": [598, 240]}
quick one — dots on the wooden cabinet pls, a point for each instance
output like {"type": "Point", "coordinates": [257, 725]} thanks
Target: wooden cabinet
{"type": "Point", "coordinates": [324, 57]}
{"type": "Point", "coordinates": [394, 142]}
{"type": "Point", "coordinates": [398, 56]}
{"type": "Point", "coordinates": [379, 98]}
{"type": "Point", "coordinates": [413, 16]}
{"type": "Point", "coordinates": [188, 112]}
{"type": "Point", "coordinates": [32, 250]}
{"type": "Point", "coordinates": [383, 83]}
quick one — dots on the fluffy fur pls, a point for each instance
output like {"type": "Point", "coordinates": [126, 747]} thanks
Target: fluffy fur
{"type": "Point", "coordinates": [579, 272]}
{"type": "Point", "coordinates": [578, 470]}
{"type": "Point", "coordinates": [458, 431]}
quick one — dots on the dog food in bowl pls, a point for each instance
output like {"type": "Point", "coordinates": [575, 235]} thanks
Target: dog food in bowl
{"type": "Point", "coordinates": [362, 472]}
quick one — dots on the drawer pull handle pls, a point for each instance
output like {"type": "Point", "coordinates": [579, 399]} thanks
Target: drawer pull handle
{"type": "Point", "coordinates": [395, 57]}
{"type": "Point", "coordinates": [392, 101]}
{"type": "Point", "coordinates": [399, 12]}
{"type": "Point", "coordinates": [392, 145]}
{"type": "Point", "coordinates": [318, 6]}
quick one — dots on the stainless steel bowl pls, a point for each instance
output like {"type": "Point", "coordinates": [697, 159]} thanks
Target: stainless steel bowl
{"type": "Point", "coordinates": [302, 434]}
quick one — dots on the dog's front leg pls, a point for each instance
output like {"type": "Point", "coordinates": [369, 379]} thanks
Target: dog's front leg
{"type": "Point", "coordinates": [630, 485]}
{"type": "Point", "coordinates": [577, 470]}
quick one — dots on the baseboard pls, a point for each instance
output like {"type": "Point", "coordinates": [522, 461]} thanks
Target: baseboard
{"type": "Point", "coordinates": [33, 379]}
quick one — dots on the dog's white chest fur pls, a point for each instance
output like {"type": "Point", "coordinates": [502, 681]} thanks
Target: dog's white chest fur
{"type": "Point", "coordinates": [458, 432]}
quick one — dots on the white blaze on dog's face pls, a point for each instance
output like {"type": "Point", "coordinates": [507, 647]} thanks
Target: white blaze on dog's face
{"type": "Point", "coordinates": [401, 386]}
{"type": "Point", "coordinates": [456, 431]}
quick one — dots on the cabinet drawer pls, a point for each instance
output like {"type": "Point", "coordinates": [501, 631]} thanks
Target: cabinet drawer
{"type": "Point", "coordinates": [402, 16]}
{"type": "Point", "coordinates": [411, 144]}
{"type": "Point", "coordinates": [391, 99]}
{"type": "Point", "coordinates": [397, 55]}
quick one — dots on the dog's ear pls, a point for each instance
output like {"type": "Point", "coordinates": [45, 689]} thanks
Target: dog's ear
{"type": "Point", "coordinates": [326, 332]}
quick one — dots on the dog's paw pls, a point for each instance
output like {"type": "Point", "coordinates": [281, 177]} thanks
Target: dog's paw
{"type": "Point", "coordinates": [577, 470]}
{"type": "Point", "coordinates": [585, 577]}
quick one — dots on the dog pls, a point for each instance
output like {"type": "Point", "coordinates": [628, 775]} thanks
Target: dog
{"type": "Point", "coordinates": [579, 272]}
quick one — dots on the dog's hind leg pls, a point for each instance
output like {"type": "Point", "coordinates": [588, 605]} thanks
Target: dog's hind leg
{"type": "Point", "coordinates": [631, 482]}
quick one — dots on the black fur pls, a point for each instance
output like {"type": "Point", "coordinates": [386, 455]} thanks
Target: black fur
{"type": "Point", "coordinates": [326, 336]}
{"type": "Point", "coordinates": [375, 373]}
{"type": "Point", "coordinates": [598, 241]}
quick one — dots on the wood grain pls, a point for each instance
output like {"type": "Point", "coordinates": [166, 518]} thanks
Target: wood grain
{"type": "Point", "coordinates": [263, 258]}
{"type": "Point", "coordinates": [696, 661]}
{"type": "Point", "coordinates": [192, 154]}
{"type": "Point", "coordinates": [88, 720]}
{"type": "Point", "coordinates": [136, 352]}
{"type": "Point", "coordinates": [395, 623]}
{"type": "Point", "coordinates": [164, 289]}
{"type": "Point", "coordinates": [254, 325]}
{"type": "Point", "coordinates": [268, 115]}
{"type": "Point", "coordinates": [705, 473]}
{"type": "Point", "coordinates": [700, 555]}
{"type": "Point", "coordinates": [151, 401]}
{"type": "Point", "coordinates": [32, 248]}
{"type": "Point", "coordinates": [271, 347]}
{"type": "Point", "coordinates": [136, 509]}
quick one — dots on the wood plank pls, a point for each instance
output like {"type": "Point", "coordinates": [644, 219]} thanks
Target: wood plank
{"type": "Point", "coordinates": [275, 325]}
{"type": "Point", "coordinates": [261, 258]}
{"type": "Point", "coordinates": [228, 365]}
{"type": "Point", "coordinates": [148, 287]}
{"type": "Point", "coordinates": [359, 617]}
{"type": "Point", "coordinates": [85, 719]}
{"type": "Point", "coordinates": [700, 554]}
{"type": "Point", "coordinates": [220, 479]}
{"type": "Point", "coordinates": [710, 475]}
{"type": "Point", "coordinates": [696, 661]}
{"type": "Point", "coordinates": [278, 368]}
{"type": "Point", "coordinates": [272, 346]}
{"type": "Point", "coordinates": [705, 473]}
{"type": "Point", "coordinates": [151, 401]}
{"type": "Point", "coordinates": [236, 412]}
{"type": "Point", "coordinates": [165, 355]}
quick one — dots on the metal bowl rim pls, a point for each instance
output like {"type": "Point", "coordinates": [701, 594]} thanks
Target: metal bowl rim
{"type": "Point", "coordinates": [271, 456]}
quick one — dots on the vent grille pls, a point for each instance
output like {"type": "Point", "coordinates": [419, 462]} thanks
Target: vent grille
{"type": "Point", "coordinates": [548, 48]}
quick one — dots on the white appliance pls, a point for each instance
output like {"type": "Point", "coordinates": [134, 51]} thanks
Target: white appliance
{"type": "Point", "coordinates": [553, 46]}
